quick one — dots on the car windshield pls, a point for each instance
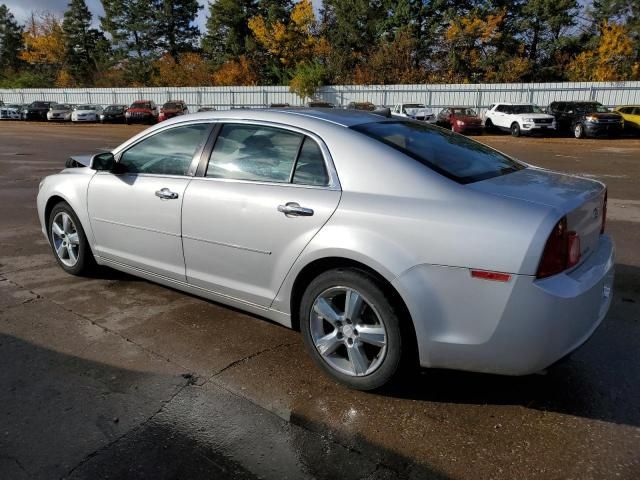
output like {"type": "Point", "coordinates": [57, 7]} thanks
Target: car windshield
{"type": "Point", "coordinates": [86, 107]}
{"type": "Point", "coordinates": [40, 105]}
{"type": "Point", "coordinates": [170, 106]}
{"type": "Point", "coordinates": [60, 106]}
{"type": "Point", "coordinates": [591, 108]}
{"type": "Point", "coordinates": [465, 111]}
{"type": "Point", "coordinates": [141, 105]}
{"type": "Point", "coordinates": [113, 108]}
{"type": "Point", "coordinates": [454, 156]}
{"type": "Point", "coordinates": [14, 105]}
{"type": "Point", "coordinates": [518, 109]}
{"type": "Point", "coordinates": [412, 108]}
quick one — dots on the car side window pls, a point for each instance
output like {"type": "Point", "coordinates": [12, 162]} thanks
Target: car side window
{"type": "Point", "coordinates": [500, 108]}
{"type": "Point", "coordinates": [166, 153]}
{"type": "Point", "coordinates": [310, 167]}
{"type": "Point", "coordinates": [255, 153]}
{"type": "Point", "coordinates": [636, 111]}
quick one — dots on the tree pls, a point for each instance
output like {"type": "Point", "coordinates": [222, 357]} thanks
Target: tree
{"type": "Point", "coordinates": [133, 27]}
{"type": "Point", "coordinates": [236, 72]}
{"type": "Point", "coordinates": [83, 45]}
{"type": "Point", "coordinates": [190, 70]}
{"type": "Point", "coordinates": [10, 42]}
{"type": "Point", "coordinates": [542, 23]}
{"type": "Point", "coordinates": [352, 26]}
{"type": "Point", "coordinates": [44, 50]}
{"type": "Point", "coordinates": [228, 35]}
{"type": "Point", "coordinates": [613, 59]}
{"type": "Point", "coordinates": [394, 61]}
{"type": "Point", "coordinates": [175, 29]}
{"type": "Point", "coordinates": [307, 79]}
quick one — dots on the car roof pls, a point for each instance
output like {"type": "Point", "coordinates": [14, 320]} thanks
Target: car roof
{"type": "Point", "coordinates": [345, 118]}
{"type": "Point", "coordinates": [514, 103]}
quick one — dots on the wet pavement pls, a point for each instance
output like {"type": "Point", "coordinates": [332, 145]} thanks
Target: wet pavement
{"type": "Point", "coordinates": [114, 377]}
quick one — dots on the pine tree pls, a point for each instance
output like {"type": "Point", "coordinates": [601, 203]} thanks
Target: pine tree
{"type": "Point", "coordinates": [228, 35]}
{"type": "Point", "coordinates": [176, 31]}
{"type": "Point", "coordinates": [82, 43]}
{"type": "Point", "coordinates": [133, 27]}
{"type": "Point", "coordinates": [10, 41]}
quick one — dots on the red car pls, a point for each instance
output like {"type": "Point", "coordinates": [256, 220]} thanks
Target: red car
{"type": "Point", "coordinates": [142, 111]}
{"type": "Point", "coordinates": [460, 120]}
{"type": "Point", "coordinates": [172, 108]}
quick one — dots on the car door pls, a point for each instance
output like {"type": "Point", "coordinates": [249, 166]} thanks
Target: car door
{"type": "Point", "coordinates": [499, 116]}
{"type": "Point", "coordinates": [135, 211]}
{"type": "Point", "coordinates": [265, 193]}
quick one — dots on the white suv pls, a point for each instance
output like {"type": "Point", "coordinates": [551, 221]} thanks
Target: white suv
{"type": "Point", "coordinates": [518, 118]}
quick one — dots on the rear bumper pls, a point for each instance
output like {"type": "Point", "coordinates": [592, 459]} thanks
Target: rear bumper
{"type": "Point", "coordinates": [514, 328]}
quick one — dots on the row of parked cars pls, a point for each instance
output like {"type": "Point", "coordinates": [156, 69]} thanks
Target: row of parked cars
{"type": "Point", "coordinates": [580, 118]}
{"type": "Point", "coordinates": [140, 111]}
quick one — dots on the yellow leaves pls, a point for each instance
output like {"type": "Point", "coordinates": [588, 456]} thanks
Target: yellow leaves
{"type": "Point", "coordinates": [236, 72]}
{"type": "Point", "coordinates": [64, 79]}
{"type": "Point", "coordinates": [293, 42]}
{"type": "Point", "coordinates": [44, 41]}
{"type": "Point", "coordinates": [611, 60]}
{"type": "Point", "coordinates": [475, 29]}
{"type": "Point", "coordinates": [190, 70]}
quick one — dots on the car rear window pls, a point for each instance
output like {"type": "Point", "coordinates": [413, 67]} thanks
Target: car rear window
{"type": "Point", "coordinates": [454, 156]}
{"type": "Point", "coordinates": [141, 105]}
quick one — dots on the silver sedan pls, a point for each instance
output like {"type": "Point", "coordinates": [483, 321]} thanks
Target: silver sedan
{"type": "Point", "coordinates": [388, 242]}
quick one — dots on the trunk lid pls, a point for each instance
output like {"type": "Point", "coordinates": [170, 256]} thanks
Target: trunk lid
{"type": "Point", "coordinates": [580, 199]}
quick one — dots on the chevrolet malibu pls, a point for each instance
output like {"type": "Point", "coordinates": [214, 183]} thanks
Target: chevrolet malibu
{"type": "Point", "coordinates": [386, 241]}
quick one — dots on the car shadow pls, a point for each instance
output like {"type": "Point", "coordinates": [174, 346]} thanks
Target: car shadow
{"type": "Point", "coordinates": [67, 416]}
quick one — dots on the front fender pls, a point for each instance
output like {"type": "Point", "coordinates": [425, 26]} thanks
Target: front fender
{"type": "Point", "coordinates": [70, 185]}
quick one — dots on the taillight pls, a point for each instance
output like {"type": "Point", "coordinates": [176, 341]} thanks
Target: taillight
{"type": "Point", "coordinates": [604, 212]}
{"type": "Point", "coordinates": [561, 251]}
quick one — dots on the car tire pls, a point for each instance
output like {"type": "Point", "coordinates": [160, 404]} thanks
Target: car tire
{"type": "Point", "coordinates": [488, 125]}
{"type": "Point", "coordinates": [578, 130]}
{"type": "Point", "coordinates": [351, 360]}
{"type": "Point", "coordinates": [68, 240]}
{"type": "Point", "coordinates": [515, 129]}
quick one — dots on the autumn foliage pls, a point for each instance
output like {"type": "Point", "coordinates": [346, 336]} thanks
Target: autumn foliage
{"type": "Point", "coordinates": [276, 42]}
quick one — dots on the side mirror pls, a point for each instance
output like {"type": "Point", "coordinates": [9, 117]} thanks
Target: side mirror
{"type": "Point", "coordinates": [102, 162]}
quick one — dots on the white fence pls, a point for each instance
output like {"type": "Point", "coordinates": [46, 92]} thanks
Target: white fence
{"type": "Point", "coordinates": [479, 96]}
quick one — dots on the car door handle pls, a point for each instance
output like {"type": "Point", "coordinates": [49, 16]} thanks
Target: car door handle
{"type": "Point", "coordinates": [295, 210]}
{"type": "Point", "coordinates": [166, 194]}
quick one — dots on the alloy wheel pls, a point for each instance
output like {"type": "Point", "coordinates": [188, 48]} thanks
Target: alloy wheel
{"type": "Point", "coordinates": [347, 331]}
{"type": "Point", "coordinates": [66, 242]}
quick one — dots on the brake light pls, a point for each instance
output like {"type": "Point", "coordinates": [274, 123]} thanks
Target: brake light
{"type": "Point", "coordinates": [561, 251]}
{"type": "Point", "coordinates": [604, 212]}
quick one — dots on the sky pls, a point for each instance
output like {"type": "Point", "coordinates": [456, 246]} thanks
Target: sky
{"type": "Point", "coordinates": [22, 9]}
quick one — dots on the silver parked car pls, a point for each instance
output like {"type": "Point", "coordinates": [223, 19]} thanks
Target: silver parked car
{"type": "Point", "coordinates": [383, 239]}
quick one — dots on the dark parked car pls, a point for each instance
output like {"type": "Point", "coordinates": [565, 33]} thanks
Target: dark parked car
{"type": "Point", "coordinates": [320, 104]}
{"type": "Point", "coordinates": [366, 106]}
{"type": "Point", "coordinates": [460, 120]}
{"type": "Point", "coordinates": [172, 109]}
{"type": "Point", "coordinates": [586, 119]}
{"type": "Point", "coordinates": [36, 111]}
{"type": "Point", "coordinates": [113, 114]}
{"type": "Point", "coordinates": [142, 111]}
{"type": "Point", "coordinates": [207, 108]}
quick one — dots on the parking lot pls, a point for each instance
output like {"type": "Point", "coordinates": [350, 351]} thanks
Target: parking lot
{"type": "Point", "coordinates": [115, 377]}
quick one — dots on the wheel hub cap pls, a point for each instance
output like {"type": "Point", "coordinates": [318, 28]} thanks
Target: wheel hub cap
{"type": "Point", "coordinates": [64, 236]}
{"type": "Point", "coordinates": [347, 331]}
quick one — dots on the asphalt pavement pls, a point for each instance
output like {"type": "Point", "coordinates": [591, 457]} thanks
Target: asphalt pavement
{"type": "Point", "coordinates": [115, 377]}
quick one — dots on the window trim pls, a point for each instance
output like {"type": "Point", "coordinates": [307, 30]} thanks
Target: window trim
{"type": "Point", "coordinates": [334, 182]}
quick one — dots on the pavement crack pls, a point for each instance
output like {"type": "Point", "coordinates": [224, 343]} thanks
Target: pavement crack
{"type": "Point", "coordinates": [247, 358]}
{"type": "Point", "coordinates": [187, 383]}
{"type": "Point", "coordinates": [18, 463]}
{"type": "Point", "coordinates": [93, 322]}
